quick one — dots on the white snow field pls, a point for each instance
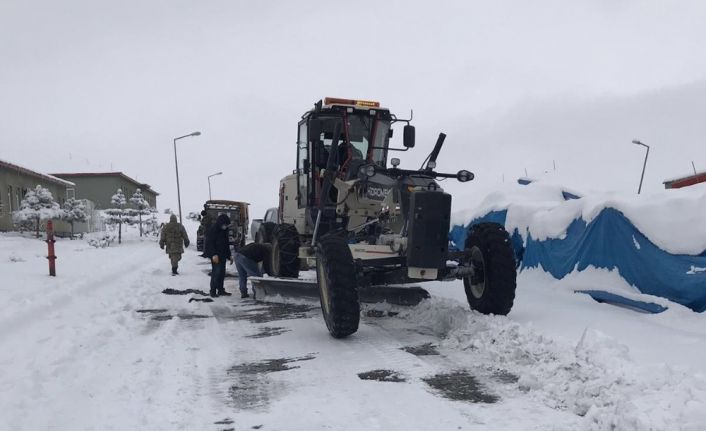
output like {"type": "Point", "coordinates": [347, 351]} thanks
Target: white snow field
{"type": "Point", "coordinates": [99, 347]}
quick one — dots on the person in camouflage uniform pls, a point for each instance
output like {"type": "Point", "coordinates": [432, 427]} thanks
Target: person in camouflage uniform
{"type": "Point", "coordinates": [175, 239]}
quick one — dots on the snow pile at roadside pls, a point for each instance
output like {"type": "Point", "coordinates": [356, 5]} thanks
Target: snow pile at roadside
{"type": "Point", "coordinates": [672, 219]}
{"type": "Point", "coordinates": [595, 379]}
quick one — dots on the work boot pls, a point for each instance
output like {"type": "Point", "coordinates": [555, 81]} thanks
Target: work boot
{"type": "Point", "coordinates": [223, 293]}
{"type": "Point", "coordinates": [214, 294]}
{"type": "Point", "coordinates": [174, 270]}
{"type": "Point", "coordinates": [244, 295]}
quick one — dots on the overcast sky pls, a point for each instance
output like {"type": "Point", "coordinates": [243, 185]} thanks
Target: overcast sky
{"type": "Point", "coordinates": [93, 86]}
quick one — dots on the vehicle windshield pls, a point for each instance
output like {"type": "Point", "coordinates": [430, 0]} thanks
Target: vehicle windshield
{"type": "Point", "coordinates": [360, 130]}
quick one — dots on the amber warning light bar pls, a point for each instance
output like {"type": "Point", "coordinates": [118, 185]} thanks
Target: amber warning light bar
{"type": "Point", "coordinates": [352, 102]}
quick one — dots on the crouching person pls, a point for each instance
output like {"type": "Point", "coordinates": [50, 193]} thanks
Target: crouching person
{"type": "Point", "coordinates": [246, 262]}
{"type": "Point", "coordinates": [218, 250]}
{"type": "Point", "coordinates": [174, 238]}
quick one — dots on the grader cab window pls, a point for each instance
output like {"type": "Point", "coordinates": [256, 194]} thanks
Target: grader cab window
{"type": "Point", "coordinates": [355, 139]}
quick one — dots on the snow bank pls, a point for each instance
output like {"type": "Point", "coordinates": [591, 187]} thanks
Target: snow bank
{"type": "Point", "coordinates": [671, 219]}
{"type": "Point", "coordinates": [656, 242]}
{"type": "Point", "coordinates": [595, 378]}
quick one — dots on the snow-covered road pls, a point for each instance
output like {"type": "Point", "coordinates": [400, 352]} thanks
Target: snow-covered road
{"type": "Point", "coordinates": [101, 347]}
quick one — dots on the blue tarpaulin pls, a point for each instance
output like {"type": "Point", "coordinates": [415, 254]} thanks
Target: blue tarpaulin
{"type": "Point", "coordinates": [609, 241]}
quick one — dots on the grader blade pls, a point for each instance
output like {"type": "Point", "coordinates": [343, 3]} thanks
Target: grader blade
{"type": "Point", "coordinates": [268, 288]}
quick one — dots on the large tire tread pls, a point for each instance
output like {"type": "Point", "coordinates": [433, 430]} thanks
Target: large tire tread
{"type": "Point", "coordinates": [285, 239]}
{"type": "Point", "coordinates": [264, 232]}
{"type": "Point", "coordinates": [344, 316]}
{"type": "Point", "coordinates": [500, 269]}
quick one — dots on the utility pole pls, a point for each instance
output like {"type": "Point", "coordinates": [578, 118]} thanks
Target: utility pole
{"type": "Point", "coordinates": [176, 165]}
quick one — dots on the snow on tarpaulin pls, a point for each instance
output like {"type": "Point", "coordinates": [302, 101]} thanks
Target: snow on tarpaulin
{"type": "Point", "coordinates": [665, 256]}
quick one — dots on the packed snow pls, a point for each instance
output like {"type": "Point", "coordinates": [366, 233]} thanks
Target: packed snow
{"type": "Point", "coordinates": [101, 347]}
{"type": "Point", "coordinates": [672, 219]}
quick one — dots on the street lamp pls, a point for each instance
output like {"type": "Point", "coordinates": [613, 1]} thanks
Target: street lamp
{"type": "Point", "coordinates": [176, 165]}
{"type": "Point", "coordinates": [209, 183]}
{"type": "Point", "coordinates": [644, 165]}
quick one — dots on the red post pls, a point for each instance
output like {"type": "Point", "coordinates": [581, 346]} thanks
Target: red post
{"type": "Point", "coordinates": [50, 244]}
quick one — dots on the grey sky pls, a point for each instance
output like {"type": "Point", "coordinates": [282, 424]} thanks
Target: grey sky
{"type": "Point", "coordinates": [86, 85]}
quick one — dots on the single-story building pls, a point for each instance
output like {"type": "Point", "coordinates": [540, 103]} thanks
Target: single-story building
{"type": "Point", "coordinates": [16, 181]}
{"type": "Point", "coordinates": [100, 187]}
{"type": "Point", "coordinates": [685, 181]}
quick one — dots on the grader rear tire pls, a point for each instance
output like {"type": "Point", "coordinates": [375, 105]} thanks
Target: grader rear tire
{"type": "Point", "coordinates": [264, 232]}
{"type": "Point", "coordinates": [284, 258]}
{"type": "Point", "coordinates": [338, 289]}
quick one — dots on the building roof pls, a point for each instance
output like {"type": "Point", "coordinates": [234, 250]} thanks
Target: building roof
{"type": "Point", "coordinates": [690, 180]}
{"type": "Point", "coordinates": [684, 177]}
{"type": "Point", "coordinates": [45, 177]}
{"type": "Point", "coordinates": [143, 186]}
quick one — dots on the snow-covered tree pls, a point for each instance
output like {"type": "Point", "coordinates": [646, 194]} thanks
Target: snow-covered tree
{"type": "Point", "coordinates": [74, 211]}
{"type": "Point", "coordinates": [37, 205]}
{"type": "Point", "coordinates": [116, 215]}
{"type": "Point", "coordinates": [152, 224]}
{"type": "Point", "coordinates": [141, 207]}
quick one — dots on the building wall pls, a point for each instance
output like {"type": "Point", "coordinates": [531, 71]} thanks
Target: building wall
{"type": "Point", "coordinates": [101, 189]}
{"type": "Point", "coordinates": [14, 185]}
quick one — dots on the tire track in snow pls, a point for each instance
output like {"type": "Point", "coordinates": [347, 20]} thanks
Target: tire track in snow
{"type": "Point", "coordinates": [87, 287]}
{"type": "Point", "coordinates": [97, 358]}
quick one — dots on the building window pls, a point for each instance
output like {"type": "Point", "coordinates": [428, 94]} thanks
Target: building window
{"type": "Point", "coordinates": [9, 198]}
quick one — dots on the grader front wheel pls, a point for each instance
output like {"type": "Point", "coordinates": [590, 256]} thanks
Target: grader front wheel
{"type": "Point", "coordinates": [491, 287]}
{"type": "Point", "coordinates": [338, 291]}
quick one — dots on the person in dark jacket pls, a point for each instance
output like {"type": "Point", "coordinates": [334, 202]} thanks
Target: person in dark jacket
{"type": "Point", "coordinates": [246, 262]}
{"type": "Point", "coordinates": [206, 223]}
{"type": "Point", "coordinates": [218, 249]}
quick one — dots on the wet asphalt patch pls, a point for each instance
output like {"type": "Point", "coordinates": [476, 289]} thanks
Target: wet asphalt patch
{"type": "Point", "coordinates": [382, 376]}
{"type": "Point", "coordinates": [269, 331]}
{"type": "Point", "coordinates": [200, 300]}
{"type": "Point", "coordinates": [460, 386]}
{"type": "Point", "coordinates": [151, 310]}
{"type": "Point", "coordinates": [269, 365]}
{"type": "Point", "coordinates": [265, 312]}
{"type": "Point", "coordinates": [504, 376]}
{"type": "Point", "coordinates": [427, 349]}
{"type": "Point", "coordinates": [171, 291]}
{"type": "Point", "coordinates": [226, 421]}
{"type": "Point", "coordinates": [252, 388]}
{"type": "Point", "coordinates": [381, 313]}
{"type": "Point", "coordinates": [163, 317]}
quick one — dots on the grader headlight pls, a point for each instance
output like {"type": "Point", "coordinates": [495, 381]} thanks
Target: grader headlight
{"type": "Point", "coordinates": [366, 171]}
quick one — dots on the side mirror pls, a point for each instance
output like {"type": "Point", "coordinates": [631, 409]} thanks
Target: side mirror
{"type": "Point", "coordinates": [408, 136]}
{"type": "Point", "coordinates": [314, 130]}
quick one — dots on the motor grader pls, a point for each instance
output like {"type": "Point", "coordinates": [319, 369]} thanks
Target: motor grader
{"type": "Point", "coordinates": [361, 221]}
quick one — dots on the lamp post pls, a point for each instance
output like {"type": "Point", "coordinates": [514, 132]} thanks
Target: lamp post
{"type": "Point", "coordinates": [644, 165]}
{"type": "Point", "coordinates": [176, 165]}
{"type": "Point", "coordinates": [209, 183]}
